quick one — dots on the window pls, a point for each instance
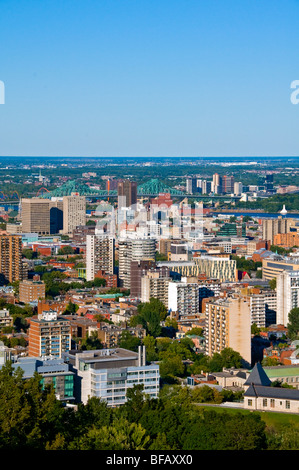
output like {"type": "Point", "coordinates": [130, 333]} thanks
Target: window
{"type": "Point", "coordinates": [249, 402]}
{"type": "Point", "coordinates": [272, 403]}
{"type": "Point", "coordinates": [265, 402]}
{"type": "Point", "coordinates": [288, 404]}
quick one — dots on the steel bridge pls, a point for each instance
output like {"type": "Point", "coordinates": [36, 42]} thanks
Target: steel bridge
{"type": "Point", "coordinates": [151, 188]}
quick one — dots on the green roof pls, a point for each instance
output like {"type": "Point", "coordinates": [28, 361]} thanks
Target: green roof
{"type": "Point", "coordinates": [109, 296]}
{"type": "Point", "coordinates": [282, 371]}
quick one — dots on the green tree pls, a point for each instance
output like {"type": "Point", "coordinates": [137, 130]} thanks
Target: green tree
{"type": "Point", "coordinates": [14, 408]}
{"type": "Point", "coordinates": [150, 345]}
{"type": "Point", "coordinates": [171, 322]}
{"type": "Point", "coordinates": [120, 435]}
{"type": "Point", "coordinates": [226, 358]}
{"type": "Point", "coordinates": [171, 367]}
{"type": "Point", "coordinates": [154, 306]}
{"type": "Point", "coordinates": [30, 415]}
{"type": "Point", "coordinates": [270, 361]}
{"type": "Point", "coordinates": [195, 331]}
{"type": "Point", "coordinates": [95, 412]}
{"type": "Point", "coordinates": [91, 342]}
{"type": "Point", "coordinates": [71, 308]}
{"type": "Point", "coordinates": [132, 409]}
{"type": "Point", "coordinates": [29, 254]}
{"type": "Point", "coordinates": [129, 341]}
{"type": "Point", "coordinates": [150, 320]}
{"type": "Point", "coordinates": [66, 250]}
{"type": "Point", "coordinates": [255, 330]}
{"type": "Point", "coordinates": [206, 394]}
{"type": "Point", "coordinates": [225, 431]}
{"type": "Point", "coordinates": [293, 323]}
{"type": "Point", "coordinates": [97, 282]}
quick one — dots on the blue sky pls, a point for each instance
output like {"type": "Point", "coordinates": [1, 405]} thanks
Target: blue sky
{"type": "Point", "coordinates": [149, 77]}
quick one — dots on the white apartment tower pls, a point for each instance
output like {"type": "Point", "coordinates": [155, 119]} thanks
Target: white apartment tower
{"type": "Point", "coordinates": [287, 288]}
{"type": "Point", "coordinates": [183, 298]}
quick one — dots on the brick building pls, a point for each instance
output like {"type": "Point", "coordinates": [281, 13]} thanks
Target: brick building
{"type": "Point", "coordinates": [32, 290]}
{"type": "Point", "coordinates": [49, 335]}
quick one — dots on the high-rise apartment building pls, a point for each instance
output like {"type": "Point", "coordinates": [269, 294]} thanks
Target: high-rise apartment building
{"type": "Point", "coordinates": [263, 308]}
{"type": "Point", "coordinates": [191, 185]}
{"type": "Point", "coordinates": [228, 325]}
{"type": "Point", "coordinates": [228, 184]}
{"type": "Point", "coordinates": [206, 187]}
{"type": "Point", "coordinates": [153, 284]}
{"type": "Point", "coordinates": [238, 188]}
{"type": "Point", "coordinates": [49, 335]}
{"type": "Point", "coordinates": [138, 269]}
{"type": "Point", "coordinates": [183, 299]}
{"type": "Point", "coordinates": [272, 227]}
{"type": "Point", "coordinates": [206, 289]}
{"type": "Point", "coordinates": [11, 264]}
{"type": "Point", "coordinates": [217, 183]}
{"type": "Point", "coordinates": [287, 288]}
{"type": "Point", "coordinates": [133, 250]}
{"type": "Point", "coordinates": [74, 213]}
{"type": "Point", "coordinates": [100, 255]}
{"type": "Point", "coordinates": [286, 240]}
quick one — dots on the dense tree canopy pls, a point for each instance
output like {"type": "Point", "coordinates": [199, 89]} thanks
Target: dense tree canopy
{"type": "Point", "coordinates": [31, 418]}
{"type": "Point", "coordinates": [293, 324]}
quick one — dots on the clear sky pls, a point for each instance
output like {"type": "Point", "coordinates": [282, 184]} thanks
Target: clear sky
{"type": "Point", "coordinates": [149, 77]}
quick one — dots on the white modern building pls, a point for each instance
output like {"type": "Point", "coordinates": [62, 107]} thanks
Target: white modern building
{"type": "Point", "coordinates": [109, 373]}
{"type": "Point", "coordinates": [287, 288]}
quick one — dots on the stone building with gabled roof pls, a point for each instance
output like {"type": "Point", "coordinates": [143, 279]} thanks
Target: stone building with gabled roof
{"type": "Point", "coordinates": [261, 396]}
{"type": "Point", "coordinates": [257, 377]}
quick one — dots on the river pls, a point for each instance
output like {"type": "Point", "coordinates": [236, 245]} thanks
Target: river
{"type": "Point", "coordinates": [258, 215]}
